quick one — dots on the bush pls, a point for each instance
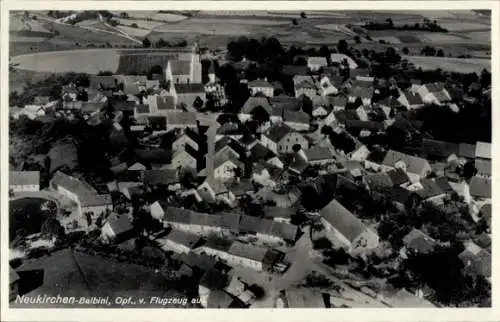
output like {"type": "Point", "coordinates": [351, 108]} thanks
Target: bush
{"type": "Point", "coordinates": [134, 25]}
{"type": "Point", "coordinates": [322, 243]}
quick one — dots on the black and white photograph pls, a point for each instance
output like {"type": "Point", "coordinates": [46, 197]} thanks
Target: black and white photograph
{"type": "Point", "coordinates": [249, 158]}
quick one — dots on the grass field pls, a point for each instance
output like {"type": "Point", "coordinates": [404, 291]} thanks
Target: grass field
{"type": "Point", "coordinates": [135, 32]}
{"type": "Point", "coordinates": [153, 15]}
{"type": "Point", "coordinates": [462, 25]}
{"type": "Point", "coordinates": [388, 39]}
{"type": "Point", "coordinates": [145, 24]}
{"type": "Point", "coordinates": [470, 65]}
{"type": "Point", "coordinates": [480, 37]}
{"type": "Point", "coordinates": [438, 38]}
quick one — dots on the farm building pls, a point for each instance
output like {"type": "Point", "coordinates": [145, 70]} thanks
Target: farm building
{"type": "Point", "coordinates": [24, 181]}
{"type": "Point", "coordinates": [116, 228]}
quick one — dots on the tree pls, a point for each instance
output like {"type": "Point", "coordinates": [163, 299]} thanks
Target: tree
{"type": "Point", "coordinates": [357, 39]}
{"type": "Point", "coordinates": [294, 22]}
{"type": "Point", "coordinates": [324, 51]}
{"type": "Point", "coordinates": [146, 43]}
{"type": "Point", "coordinates": [342, 46]}
{"type": "Point", "coordinates": [123, 14]}
{"type": "Point", "coordinates": [134, 25]}
{"type": "Point", "coordinates": [198, 103]}
{"type": "Point", "coordinates": [52, 228]}
{"type": "Point", "coordinates": [322, 243]}
{"type": "Point", "coordinates": [406, 51]}
{"type": "Point", "coordinates": [303, 15]}
{"type": "Point", "coordinates": [440, 53]}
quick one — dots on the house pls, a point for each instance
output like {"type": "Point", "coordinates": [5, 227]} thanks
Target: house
{"type": "Point", "coordinates": [181, 120]}
{"type": "Point", "coordinates": [218, 290]}
{"type": "Point", "coordinates": [343, 60]}
{"type": "Point", "coordinates": [13, 284]}
{"type": "Point", "coordinates": [292, 70]}
{"type": "Point", "coordinates": [240, 187]}
{"type": "Point", "coordinates": [365, 94]}
{"type": "Point", "coordinates": [320, 106]}
{"type": "Point", "coordinates": [179, 241]}
{"type": "Point", "coordinates": [338, 102]}
{"type": "Point", "coordinates": [116, 228]}
{"type": "Point", "coordinates": [189, 137]}
{"type": "Point", "coordinates": [86, 197]}
{"type": "Point", "coordinates": [304, 85]}
{"type": "Point", "coordinates": [318, 155]}
{"type": "Point", "coordinates": [483, 150]}
{"type": "Point", "coordinates": [434, 93]}
{"type": "Point", "coordinates": [410, 100]}
{"type": "Point", "coordinates": [398, 176]}
{"type": "Point", "coordinates": [24, 181]}
{"type": "Point", "coordinates": [184, 159]}
{"type": "Point", "coordinates": [261, 86]}
{"type": "Point", "coordinates": [480, 188]}
{"type": "Point", "coordinates": [330, 85]}
{"type": "Point", "coordinates": [285, 102]}
{"type": "Point", "coordinates": [131, 83]}
{"type": "Point", "coordinates": [483, 167]}
{"type": "Point", "coordinates": [186, 94]}
{"type": "Point", "coordinates": [256, 107]}
{"type": "Point", "coordinates": [360, 152]}
{"type": "Point", "coordinates": [297, 120]}
{"type": "Point", "coordinates": [161, 105]}
{"type": "Point", "coordinates": [301, 297]}
{"type": "Point", "coordinates": [477, 261]}
{"type": "Point", "coordinates": [315, 63]}
{"type": "Point", "coordinates": [416, 168]}
{"type": "Point", "coordinates": [247, 255]}
{"type": "Point", "coordinates": [439, 150]}
{"type": "Point", "coordinates": [431, 191]}
{"type": "Point", "coordinates": [281, 138]}
{"type": "Point", "coordinates": [344, 227]}
{"type": "Point", "coordinates": [226, 165]}
{"type": "Point", "coordinates": [212, 191]}
{"type": "Point", "coordinates": [378, 182]}
{"type": "Point", "coordinates": [280, 214]}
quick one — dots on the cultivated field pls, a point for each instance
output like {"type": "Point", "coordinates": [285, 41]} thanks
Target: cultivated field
{"type": "Point", "coordinates": [153, 15]}
{"type": "Point", "coordinates": [463, 25]}
{"type": "Point", "coordinates": [135, 32]}
{"type": "Point", "coordinates": [480, 37]}
{"type": "Point", "coordinates": [470, 65]}
{"type": "Point", "coordinates": [439, 38]}
{"type": "Point", "coordinates": [90, 61]}
{"type": "Point", "coordinates": [144, 24]}
{"type": "Point", "coordinates": [26, 26]}
{"type": "Point", "coordinates": [388, 39]}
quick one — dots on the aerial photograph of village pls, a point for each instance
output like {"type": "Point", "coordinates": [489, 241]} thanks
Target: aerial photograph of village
{"type": "Point", "coordinates": [249, 159]}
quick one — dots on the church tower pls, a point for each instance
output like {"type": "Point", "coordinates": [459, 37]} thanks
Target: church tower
{"type": "Point", "coordinates": [195, 66]}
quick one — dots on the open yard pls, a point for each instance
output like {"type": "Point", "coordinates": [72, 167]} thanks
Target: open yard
{"type": "Point", "coordinates": [470, 65]}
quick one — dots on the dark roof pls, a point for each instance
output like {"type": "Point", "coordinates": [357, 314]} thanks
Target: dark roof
{"type": "Point", "coordinates": [430, 189]}
{"type": "Point", "coordinates": [376, 156]}
{"type": "Point", "coordinates": [365, 125]}
{"type": "Point", "coordinates": [285, 102]}
{"type": "Point", "coordinates": [295, 117]}
{"type": "Point", "coordinates": [398, 176]}
{"type": "Point", "coordinates": [419, 242]}
{"type": "Point", "coordinates": [260, 152]}
{"type": "Point", "coordinates": [249, 223]}
{"type": "Point", "coordinates": [214, 280]}
{"type": "Point", "coordinates": [318, 153]}
{"type": "Point", "coordinates": [378, 181]}
{"type": "Point", "coordinates": [142, 109]}
{"type": "Point", "coordinates": [255, 101]}
{"type": "Point", "coordinates": [436, 148]}
{"type": "Point", "coordinates": [467, 150]}
{"type": "Point", "coordinates": [443, 183]}
{"type": "Point", "coordinates": [193, 259]}
{"type": "Point", "coordinates": [120, 224]}
{"type": "Point", "coordinates": [192, 88]}
{"type": "Point", "coordinates": [413, 164]}
{"type": "Point", "coordinates": [399, 194]}
{"type": "Point", "coordinates": [413, 99]}
{"type": "Point", "coordinates": [278, 131]}
{"type": "Point", "coordinates": [157, 123]}
{"type": "Point", "coordinates": [480, 187]}
{"type": "Point", "coordinates": [183, 238]}
{"type": "Point", "coordinates": [292, 70]}
{"type": "Point", "coordinates": [122, 105]}
{"type": "Point", "coordinates": [248, 251]}
{"type": "Point", "coordinates": [343, 220]}
{"type": "Point", "coordinates": [259, 83]}
{"type": "Point", "coordinates": [361, 92]}
{"type": "Point", "coordinates": [163, 176]}
{"type": "Point", "coordinates": [159, 156]}
{"type": "Point", "coordinates": [77, 186]}
{"type": "Point", "coordinates": [339, 101]}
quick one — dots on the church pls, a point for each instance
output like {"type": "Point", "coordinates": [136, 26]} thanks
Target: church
{"type": "Point", "coordinates": [186, 69]}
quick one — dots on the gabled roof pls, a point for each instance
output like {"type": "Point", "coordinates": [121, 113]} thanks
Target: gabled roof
{"type": "Point", "coordinates": [188, 118]}
{"type": "Point", "coordinates": [278, 131]}
{"type": "Point", "coordinates": [191, 88]}
{"type": "Point", "coordinates": [430, 189]}
{"type": "Point", "coordinates": [13, 276]}
{"type": "Point", "coordinates": [339, 58]}
{"type": "Point", "coordinates": [253, 102]}
{"type": "Point", "coordinates": [183, 238]}
{"type": "Point", "coordinates": [337, 101]}
{"type": "Point", "coordinates": [23, 178]}
{"type": "Point", "coordinates": [180, 67]}
{"type": "Point", "coordinates": [466, 150]}
{"type": "Point", "coordinates": [160, 156]}
{"type": "Point", "coordinates": [361, 92]}
{"type": "Point", "coordinates": [120, 224]}
{"type": "Point", "coordinates": [480, 187]}
{"type": "Point", "coordinates": [436, 148]}
{"type": "Point", "coordinates": [413, 99]}
{"type": "Point", "coordinates": [164, 176]}
{"type": "Point", "coordinates": [413, 164]}
{"type": "Point", "coordinates": [343, 220]}
{"type": "Point", "coordinates": [307, 83]}
{"type": "Point", "coordinates": [443, 184]}
{"type": "Point", "coordinates": [483, 167]}
{"type": "Point", "coordinates": [248, 251]}
{"type": "Point", "coordinates": [476, 260]}
{"type": "Point", "coordinates": [77, 186]}
{"type": "Point", "coordinates": [378, 181]}
{"type": "Point", "coordinates": [285, 102]}
{"type": "Point", "coordinates": [318, 153]}
{"type": "Point", "coordinates": [292, 70]}
{"type": "Point", "coordinates": [483, 150]}
{"type": "Point", "coordinates": [260, 152]}
{"type": "Point", "coordinates": [142, 109]}
{"type": "Point", "coordinates": [398, 176]}
{"type": "Point", "coordinates": [434, 87]}
{"type": "Point", "coordinates": [295, 117]}
{"type": "Point", "coordinates": [390, 101]}
{"type": "Point", "coordinates": [417, 241]}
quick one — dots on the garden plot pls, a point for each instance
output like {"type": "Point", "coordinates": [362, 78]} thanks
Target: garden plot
{"type": "Point", "coordinates": [461, 65]}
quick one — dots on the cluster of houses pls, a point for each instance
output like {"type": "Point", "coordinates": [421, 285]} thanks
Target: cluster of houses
{"type": "Point", "coordinates": [243, 163]}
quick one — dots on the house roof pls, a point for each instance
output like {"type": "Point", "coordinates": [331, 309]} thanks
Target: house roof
{"type": "Point", "coordinates": [93, 200]}
{"type": "Point", "coordinates": [284, 230]}
{"type": "Point", "coordinates": [342, 220]}
{"type": "Point", "coordinates": [248, 251]}
{"type": "Point", "coordinates": [434, 87]}
{"type": "Point", "coordinates": [441, 96]}
{"type": "Point", "coordinates": [318, 153]}
{"type": "Point", "coordinates": [285, 102]}
{"type": "Point", "coordinates": [255, 101]}
{"type": "Point", "coordinates": [301, 297]}
{"type": "Point", "coordinates": [193, 259]}
{"type": "Point", "coordinates": [390, 101]}
{"type": "Point", "coordinates": [339, 58]}
{"type": "Point", "coordinates": [188, 118]}
{"type": "Point", "coordinates": [183, 238]}
{"type": "Point", "coordinates": [337, 101]}
{"type": "Point", "coordinates": [214, 280]}
{"type": "Point", "coordinates": [436, 148]}
{"type": "Point", "coordinates": [365, 125]}
{"type": "Point", "coordinates": [319, 100]}
{"type": "Point", "coordinates": [430, 189]}
{"type": "Point", "coordinates": [13, 276]}
{"type": "Point", "coordinates": [413, 98]}
{"type": "Point", "coordinates": [413, 164]}
{"type": "Point", "coordinates": [361, 92]}
{"type": "Point", "coordinates": [260, 152]}
{"type": "Point", "coordinates": [467, 150]}
{"type": "Point", "coordinates": [249, 223]}
{"type": "Point", "coordinates": [378, 181]}
{"type": "Point", "coordinates": [23, 178]}
{"type": "Point", "coordinates": [163, 176]}
{"type": "Point", "coordinates": [485, 212]}
{"type": "Point", "coordinates": [161, 103]}
{"type": "Point", "coordinates": [317, 61]}
{"type": "Point", "coordinates": [304, 83]}
{"type": "Point", "coordinates": [180, 67]}
{"type": "Point", "coordinates": [278, 131]}
{"type": "Point", "coordinates": [259, 83]}
{"type": "Point", "coordinates": [416, 240]}
{"type": "Point", "coordinates": [142, 109]}
{"type": "Point", "coordinates": [480, 187]}
{"type": "Point", "coordinates": [279, 212]}
{"type": "Point", "coordinates": [97, 81]}
{"type": "Point", "coordinates": [191, 88]}
{"type": "Point", "coordinates": [476, 260]}
{"type": "Point", "coordinates": [295, 117]}
{"type": "Point", "coordinates": [159, 156]}
{"type": "Point", "coordinates": [398, 176]}
{"type": "Point", "coordinates": [443, 183]}
{"type": "Point", "coordinates": [120, 224]}
{"type": "Point", "coordinates": [483, 150]}
{"type": "Point", "coordinates": [77, 186]}
{"type": "Point", "coordinates": [483, 166]}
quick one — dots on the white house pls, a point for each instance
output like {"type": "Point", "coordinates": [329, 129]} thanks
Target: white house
{"type": "Point", "coordinates": [340, 59]}
{"type": "Point", "coordinates": [315, 63]}
{"type": "Point", "coordinates": [261, 86]}
{"type": "Point", "coordinates": [24, 181]}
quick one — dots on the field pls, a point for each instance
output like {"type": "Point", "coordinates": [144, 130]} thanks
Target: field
{"type": "Point", "coordinates": [135, 32]}
{"type": "Point", "coordinates": [462, 25]}
{"type": "Point", "coordinates": [153, 15]}
{"type": "Point", "coordinates": [145, 24]}
{"type": "Point", "coordinates": [19, 25]}
{"type": "Point", "coordinates": [470, 65]}
{"type": "Point", "coordinates": [388, 39]}
{"type": "Point", "coordinates": [480, 37]}
{"type": "Point", "coordinates": [439, 38]}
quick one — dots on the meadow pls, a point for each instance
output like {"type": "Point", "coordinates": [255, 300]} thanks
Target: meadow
{"type": "Point", "coordinates": [462, 65]}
